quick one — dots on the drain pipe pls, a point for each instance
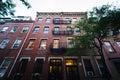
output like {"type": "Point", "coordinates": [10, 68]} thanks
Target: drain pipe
{"type": "Point", "coordinates": [20, 50]}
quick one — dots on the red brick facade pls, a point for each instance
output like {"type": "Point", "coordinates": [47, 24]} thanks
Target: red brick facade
{"type": "Point", "coordinates": [43, 51]}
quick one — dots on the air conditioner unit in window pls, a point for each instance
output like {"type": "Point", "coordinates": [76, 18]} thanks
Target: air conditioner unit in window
{"type": "Point", "coordinates": [90, 73]}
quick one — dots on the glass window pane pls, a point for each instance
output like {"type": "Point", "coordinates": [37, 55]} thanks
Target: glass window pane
{"type": "Point", "coordinates": [43, 44]}
{"type": "Point", "coordinates": [109, 47]}
{"type": "Point", "coordinates": [36, 29]}
{"type": "Point", "coordinates": [4, 29]}
{"type": "Point", "coordinates": [4, 43]}
{"type": "Point", "coordinates": [17, 43]}
{"type": "Point", "coordinates": [14, 29]}
{"type": "Point", "coordinates": [31, 43]}
{"type": "Point", "coordinates": [25, 29]}
{"type": "Point", "coordinates": [56, 43]}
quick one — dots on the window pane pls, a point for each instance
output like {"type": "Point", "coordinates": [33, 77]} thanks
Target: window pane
{"type": "Point", "coordinates": [4, 67]}
{"type": "Point", "coordinates": [4, 43]}
{"type": "Point", "coordinates": [14, 29]}
{"type": "Point", "coordinates": [77, 29]}
{"type": "Point", "coordinates": [4, 29]}
{"type": "Point", "coordinates": [40, 19]}
{"type": "Point", "coordinates": [36, 29]}
{"type": "Point", "coordinates": [17, 43]}
{"type": "Point", "coordinates": [109, 47]}
{"type": "Point", "coordinates": [56, 43]}
{"type": "Point", "coordinates": [69, 29]}
{"type": "Point", "coordinates": [47, 20]}
{"type": "Point", "coordinates": [25, 29]}
{"type": "Point", "coordinates": [31, 43]}
{"type": "Point", "coordinates": [70, 43]}
{"type": "Point", "coordinates": [88, 67]}
{"type": "Point", "coordinates": [46, 30]}
{"type": "Point", "coordinates": [43, 44]}
{"type": "Point", "coordinates": [118, 43]}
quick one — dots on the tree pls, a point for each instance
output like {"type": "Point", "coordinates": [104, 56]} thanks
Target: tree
{"type": "Point", "coordinates": [102, 22]}
{"type": "Point", "coordinates": [7, 7]}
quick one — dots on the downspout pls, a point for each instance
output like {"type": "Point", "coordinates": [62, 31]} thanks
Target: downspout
{"type": "Point", "coordinates": [20, 51]}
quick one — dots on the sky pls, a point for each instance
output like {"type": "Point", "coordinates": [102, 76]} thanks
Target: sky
{"type": "Point", "coordinates": [59, 6]}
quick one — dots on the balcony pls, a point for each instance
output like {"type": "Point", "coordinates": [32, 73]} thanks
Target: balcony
{"type": "Point", "coordinates": [62, 21]}
{"type": "Point", "coordinates": [65, 48]}
{"type": "Point", "coordinates": [62, 32]}
{"type": "Point", "coordinates": [58, 48]}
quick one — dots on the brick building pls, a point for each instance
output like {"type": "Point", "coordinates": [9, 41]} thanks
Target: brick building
{"type": "Point", "coordinates": [42, 50]}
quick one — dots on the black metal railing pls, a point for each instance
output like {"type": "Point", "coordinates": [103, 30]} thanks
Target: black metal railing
{"type": "Point", "coordinates": [63, 32]}
{"type": "Point", "coordinates": [60, 48]}
{"type": "Point", "coordinates": [61, 21]}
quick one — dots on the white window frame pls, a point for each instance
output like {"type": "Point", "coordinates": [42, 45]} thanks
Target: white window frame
{"type": "Point", "coordinates": [1, 67]}
{"type": "Point", "coordinates": [24, 28]}
{"type": "Point", "coordinates": [12, 30]}
{"type": "Point", "coordinates": [2, 44]}
{"type": "Point", "coordinates": [17, 44]}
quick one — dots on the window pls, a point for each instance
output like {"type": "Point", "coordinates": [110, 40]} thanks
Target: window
{"type": "Point", "coordinates": [110, 32]}
{"type": "Point", "coordinates": [70, 43]}
{"type": "Point", "coordinates": [31, 43]}
{"type": "Point", "coordinates": [14, 29]}
{"type": "Point", "coordinates": [118, 43]}
{"type": "Point", "coordinates": [102, 68]}
{"type": "Point", "coordinates": [40, 19]}
{"type": "Point", "coordinates": [72, 72]}
{"type": "Point", "coordinates": [117, 64]}
{"type": "Point", "coordinates": [4, 43]}
{"type": "Point", "coordinates": [77, 29]}
{"type": "Point", "coordinates": [56, 43]}
{"type": "Point", "coordinates": [109, 47]}
{"type": "Point", "coordinates": [38, 66]}
{"type": "Point", "coordinates": [88, 67]}
{"type": "Point", "coordinates": [82, 19]}
{"type": "Point", "coordinates": [74, 20]}
{"type": "Point", "coordinates": [48, 20]}
{"type": "Point", "coordinates": [4, 29]}
{"type": "Point", "coordinates": [46, 30]}
{"type": "Point", "coordinates": [25, 29]}
{"type": "Point", "coordinates": [69, 28]}
{"type": "Point", "coordinates": [17, 43]}
{"type": "Point", "coordinates": [4, 66]}
{"type": "Point", "coordinates": [56, 30]}
{"type": "Point", "coordinates": [67, 20]}
{"type": "Point", "coordinates": [36, 29]}
{"type": "Point", "coordinates": [43, 44]}
{"type": "Point", "coordinates": [21, 69]}
{"type": "Point", "coordinates": [55, 69]}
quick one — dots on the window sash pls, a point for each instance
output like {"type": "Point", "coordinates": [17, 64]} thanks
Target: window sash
{"type": "Point", "coordinates": [43, 44]}
{"type": "Point", "coordinates": [4, 43]}
{"type": "Point", "coordinates": [25, 29]}
{"type": "Point", "coordinates": [17, 43]}
{"type": "Point", "coordinates": [14, 29]}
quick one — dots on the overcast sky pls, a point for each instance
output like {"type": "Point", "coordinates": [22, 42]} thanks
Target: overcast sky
{"type": "Point", "coordinates": [59, 6]}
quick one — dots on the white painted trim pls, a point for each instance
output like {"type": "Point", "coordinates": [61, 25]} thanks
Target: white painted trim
{"type": "Point", "coordinates": [55, 58]}
{"type": "Point", "coordinates": [25, 58]}
{"type": "Point", "coordinates": [39, 58]}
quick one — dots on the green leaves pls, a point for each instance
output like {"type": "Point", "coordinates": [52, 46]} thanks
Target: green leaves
{"type": "Point", "coordinates": [7, 7]}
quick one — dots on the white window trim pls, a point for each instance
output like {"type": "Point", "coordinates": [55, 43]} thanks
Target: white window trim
{"type": "Point", "coordinates": [85, 57]}
{"type": "Point", "coordinates": [15, 41]}
{"type": "Point", "coordinates": [49, 58]}
{"type": "Point", "coordinates": [29, 58]}
{"type": "Point", "coordinates": [39, 58]}
{"type": "Point", "coordinates": [98, 57]}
